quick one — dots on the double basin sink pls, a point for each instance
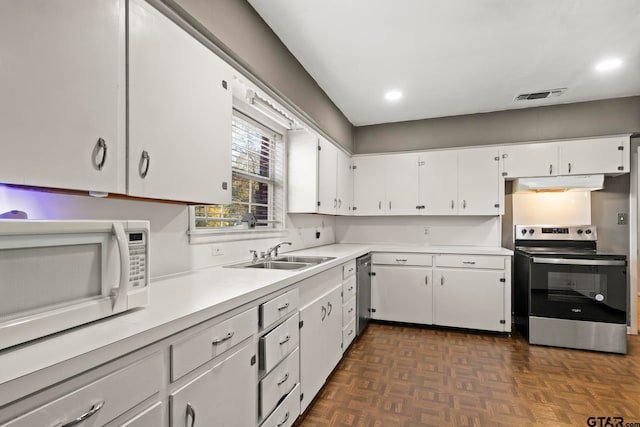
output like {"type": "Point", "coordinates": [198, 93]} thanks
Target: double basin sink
{"type": "Point", "coordinates": [284, 262]}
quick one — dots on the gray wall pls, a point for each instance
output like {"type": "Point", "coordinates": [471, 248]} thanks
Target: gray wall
{"type": "Point", "coordinates": [239, 27]}
{"type": "Point", "coordinates": [594, 118]}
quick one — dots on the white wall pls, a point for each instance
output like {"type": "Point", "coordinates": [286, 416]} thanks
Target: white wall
{"type": "Point", "coordinates": [462, 230]}
{"type": "Point", "coordinates": [171, 251]}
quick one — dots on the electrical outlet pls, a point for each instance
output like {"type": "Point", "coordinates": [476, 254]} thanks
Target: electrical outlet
{"type": "Point", "coordinates": [426, 231]}
{"type": "Point", "coordinates": [622, 219]}
{"type": "Point", "coordinates": [216, 251]}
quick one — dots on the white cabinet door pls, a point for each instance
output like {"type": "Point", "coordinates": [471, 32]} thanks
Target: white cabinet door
{"type": "Point", "coordinates": [528, 160]}
{"type": "Point", "coordinates": [327, 170]}
{"type": "Point", "coordinates": [402, 294]}
{"type": "Point", "coordinates": [439, 183]}
{"type": "Point", "coordinates": [468, 298]}
{"type": "Point", "coordinates": [479, 182]}
{"type": "Point", "coordinates": [369, 185]}
{"type": "Point", "coordinates": [320, 342]}
{"type": "Point", "coordinates": [302, 172]}
{"type": "Point", "coordinates": [225, 395]}
{"type": "Point", "coordinates": [401, 192]}
{"type": "Point", "coordinates": [598, 155]}
{"type": "Point", "coordinates": [179, 113]}
{"type": "Point", "coordinates": [344, 189]}
{"type": "Point", "coordinates": [62, 86]}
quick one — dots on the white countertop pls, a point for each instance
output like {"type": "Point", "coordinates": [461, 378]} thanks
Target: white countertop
{"type": "Point", "coordinates": [177, 303]}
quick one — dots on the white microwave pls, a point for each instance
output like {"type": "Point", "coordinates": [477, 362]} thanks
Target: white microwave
{"type": "Point", "coordinates": [56, 275]}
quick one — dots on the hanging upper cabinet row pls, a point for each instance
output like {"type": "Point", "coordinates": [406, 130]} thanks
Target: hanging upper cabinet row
{"type": "Point", "coordinates": [443, 182]}
{"type": "Point", "coordinates": [63, 113]}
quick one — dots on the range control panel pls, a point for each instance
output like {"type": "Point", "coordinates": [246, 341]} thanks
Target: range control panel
{"type": "Point", "coordinates": [552, 232]}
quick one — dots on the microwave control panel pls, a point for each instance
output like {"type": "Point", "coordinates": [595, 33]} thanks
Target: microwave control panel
{"type": "Point", "coordinates": [138, 259]}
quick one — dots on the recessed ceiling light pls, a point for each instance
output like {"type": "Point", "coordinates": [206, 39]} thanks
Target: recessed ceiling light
{"type": "Point", "coordinates": [608, 65]}
{"type": "Point", "coordinates": [393, 95]}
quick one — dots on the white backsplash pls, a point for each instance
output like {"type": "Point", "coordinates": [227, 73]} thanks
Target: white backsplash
{"type": "Point", "coordinates": [171, 251]}
{"type": "Point", "coordinates": [434, 231]}
{"type": "Point", "coordinates": [561, 208]}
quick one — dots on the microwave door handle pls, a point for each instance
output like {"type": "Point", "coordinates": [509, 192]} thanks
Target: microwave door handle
{"type": "Point", "coordinates": [123, 287]}
{"type": "Point", "coordinates": [568, 261]}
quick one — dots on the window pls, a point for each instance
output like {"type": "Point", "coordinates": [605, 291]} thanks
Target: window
{"type": "Point", "coordinates": [257, 162]}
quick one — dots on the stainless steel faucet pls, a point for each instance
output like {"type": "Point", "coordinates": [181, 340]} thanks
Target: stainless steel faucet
{"type": "Point", "coordinates": [274, 250]}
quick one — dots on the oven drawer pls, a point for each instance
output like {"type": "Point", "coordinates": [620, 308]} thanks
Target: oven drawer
{"type": "Point", "coordinates": [400, 258]}
{"type": "Point", "coordinates": [471, 261]}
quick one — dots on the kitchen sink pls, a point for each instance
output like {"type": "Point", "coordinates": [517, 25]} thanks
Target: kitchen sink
{"type": "Point", "coordinates": [304, 259]}
{"type": "Point", "coordinates": [278, 265]}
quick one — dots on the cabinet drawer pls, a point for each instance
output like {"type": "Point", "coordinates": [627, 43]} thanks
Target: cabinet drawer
{"type": "Point", "coordinates": [348, 311]}
{"type": "Point", "coordinates": [287, 412]}
{"type": "Point", "coordinates": [148, 418]}
{"type": "Point", "coordinates": [348, 334]}
{"type": "Point", "coordinates": [113, 394]}
{"type": "Point", "coordinates": [470, 261]}
{"type": "Point", "coordinates": [402, 259]}
{"type": "Point", "coordinates": [278, 308]}
{"type": "Point", "coordinates": [349, 288]}
{"type": "Point", "coordinates": [349, 269]}
{"type": "Point", "coordinates": [280, 381]}
{"type": "Point", "coordinates": [275, 345]}
{"type": "Point", "coordinates": [195, 350]}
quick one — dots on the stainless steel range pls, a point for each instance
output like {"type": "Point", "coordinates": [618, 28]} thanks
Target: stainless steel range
{"type": "Point", "coordinates": [566, 292]}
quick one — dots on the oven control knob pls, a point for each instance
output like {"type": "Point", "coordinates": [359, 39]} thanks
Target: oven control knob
{"type": "Point", "coordinates": [599, 297]}
{"type": "Point", "coordinates": [524, 231]}
{"type": "Point", "coordinates": [588, 231]}
{"type": "Point", "coordinates": [531, 231]}
{"type": "Point", "coordinates": [580, 231]}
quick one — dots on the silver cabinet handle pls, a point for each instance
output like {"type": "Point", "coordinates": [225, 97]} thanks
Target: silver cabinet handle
{"type": "Point", "coordinates": [91, 412]}
{"type": "Point", "coordinates": [223, 339]}
{"type": "Point", "coordinates": [464, 204]}
{"type": "Point", "coordinates": [379, 205]}
{"type": "Point", "coordinates": [145, 161]}
{"type": "Point", "coordinates": [551, 169]}
{"type": "Point", "coordinates": [330, 308]}
{"type": "Point", "coordinates": [339, 203]}
{"type": "Point", "coordinates": [335, 203]}
{"type": "Point", "coordinates": [285, 340]}
{"type": "Point", "coordinates": [389, 204]}
{"type": "Point", "coordinates": [569, 167]}
{"type": "Point", "coordinates": [283, 306]}
{"type": "Point", "coordinates": [350, 310]}
{"type": "Point", "coordinates": [284, 420]}
{"type": "Point", "coordinates": [469, 262]}
{"type": "Point", "coordinates": [350, 288]}
{"type": "Point", "coordinates": [452, 204]}
{"type": "Point", "coordinates": [441, 280]}
{"type": "Point", "coordinates": [426, 280]}
{"type": "Point", "coordinates": [284, 379]}
{"type": "Point", "coordinates": [101, 146]}
{"type": "Point", "coordinates": [191, 413]}
{"type": "Point", "coordinates": [324, 312]}
{"type": "Point", "coordinates": [401, 260]}
{"type": "Point", "coordinates": [350, 332]}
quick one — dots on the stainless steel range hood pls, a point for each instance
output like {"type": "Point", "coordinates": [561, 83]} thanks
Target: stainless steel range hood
{"type": "Point", "coordinates": [559, 183]}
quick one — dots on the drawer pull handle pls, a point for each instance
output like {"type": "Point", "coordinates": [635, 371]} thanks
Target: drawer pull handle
{"type": "Point", "coordinates": [284, 420]}
{"type": "Point", "coordinates": [401, 260]}
{"type": "Point", "coordinates": [469, 262]}
{"type": "Point", "coordinates": [284, 379]}
{"type": "Point", "coordinates": [330, 307]}
{"type": "Point", "coordinates": [191, 413]}
{"type": "Point", "coordinates": [350, 333]}
{"type": "Point", "coordinates": [285, 340]}
{"type": "Point", "coordinates": [324, 312]}
{"type": "Point", "coordinates": [223, 339]}
{"type": "Point", "coordinates": [283, 306]}
{"type": "Point", "coordinates": [350, 288]}
{"type": "Point", "coordinates": [350, 310]}
{"type": "Point", "coordinates": [91, 412]}
{"type": "Point", "coordinates": [426, 280]}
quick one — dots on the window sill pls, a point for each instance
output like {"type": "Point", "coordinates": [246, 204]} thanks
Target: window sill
{"type": "Point", "coordinates": [218, 236]}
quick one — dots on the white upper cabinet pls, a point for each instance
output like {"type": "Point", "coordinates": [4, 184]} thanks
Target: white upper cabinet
{"type": "Point", "coordinates": [369, 185]}
{"type": "Point", "coordinates": [320, 178]}
{"type": "Point", "coordinates": [439, 183]}
{"type": "Point", "coordinates": [401, 184]}
{"type": "Point", "coordinates": [62, 80]}
{"type": "Point", "coordinates": [598, 155]}
{"type": "Point", "coordinates": [327, 180]}
{"type": "Point", "coordinates": [528, 160]}
{"type": "Point", "coordinates": [179, 113]}
{"type": "Point", "coordinates": [480, 187]}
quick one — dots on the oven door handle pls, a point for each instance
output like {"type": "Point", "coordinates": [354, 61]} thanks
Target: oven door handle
{"type": "Point", "coordinates": [571, 261]}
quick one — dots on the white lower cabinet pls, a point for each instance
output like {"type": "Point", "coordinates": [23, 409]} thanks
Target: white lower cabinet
{"type": "Point", "coordinates": [320, 342]}
{"type": "Point", "coordinates": [224, 395]}
{"type": "Point", "coordinates": [402, 294]}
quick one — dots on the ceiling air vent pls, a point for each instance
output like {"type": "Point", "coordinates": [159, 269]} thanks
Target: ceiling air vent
{"type": "Point", "coordinates": [540, 95]}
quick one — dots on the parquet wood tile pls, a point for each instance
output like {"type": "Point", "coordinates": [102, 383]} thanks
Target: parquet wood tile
{"type": "Point", "coordinates": [408, 377]}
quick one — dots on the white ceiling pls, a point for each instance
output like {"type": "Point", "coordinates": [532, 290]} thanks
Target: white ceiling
{"type": "Point", "coordinates": [452, 57]}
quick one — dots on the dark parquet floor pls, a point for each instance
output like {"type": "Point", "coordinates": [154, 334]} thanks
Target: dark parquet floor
{"type": "Point", "coordinates": [408, 376]}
